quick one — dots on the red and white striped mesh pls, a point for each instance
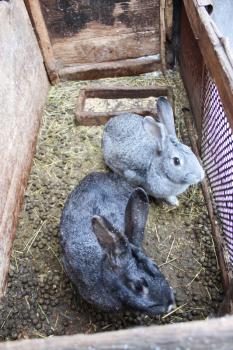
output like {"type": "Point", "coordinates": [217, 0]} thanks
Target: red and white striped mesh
{"type": "Point", "coordinates": [217, 156]}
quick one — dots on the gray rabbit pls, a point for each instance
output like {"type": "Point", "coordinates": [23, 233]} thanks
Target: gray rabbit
{"type": "Point", "coordinates": [101, 232]}
{"type": "Point", "coordinates": [147, 153]}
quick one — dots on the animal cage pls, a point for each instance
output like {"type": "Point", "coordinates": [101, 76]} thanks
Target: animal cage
{"type": "Point", "coordinates": [40, 43]}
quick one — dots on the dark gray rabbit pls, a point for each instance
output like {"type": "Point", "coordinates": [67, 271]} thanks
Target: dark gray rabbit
{"type": "Point", "coordinates": [101, 232]}
{"type": "Point", "coordinates": [148, 154]}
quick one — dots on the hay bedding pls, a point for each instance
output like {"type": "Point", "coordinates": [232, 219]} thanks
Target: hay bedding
{"type": "Point", "coordinates": [40, 300]}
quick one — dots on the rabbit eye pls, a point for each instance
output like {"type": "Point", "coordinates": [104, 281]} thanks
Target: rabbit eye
{"type": "Point", "coordinates": [176, 161]}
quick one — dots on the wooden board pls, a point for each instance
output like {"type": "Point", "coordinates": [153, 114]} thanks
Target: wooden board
{"type": "Point", "coordinates": [23, 90]}
{"type": "Point", "coordinates": [192, 68]}
{"type": "Point", "coordinates": [101, 30]}
{"type": "Point", "coordinates": [214, 334]}
{"type": "Point", "coordinates": [98, 118]}
{"type": "Point", "coordinates": [85, 33]}
{"type": "Point", "coordinates": [214, 53]}
{"type": "Point", "coordinates": [127, 67]}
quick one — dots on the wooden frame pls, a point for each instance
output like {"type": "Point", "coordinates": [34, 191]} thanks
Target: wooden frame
{"type": "Point", "coordinates": [23, 93]}
{"type": "Point", "coordinates": [126, 67]}
{"type": "Point", "coordinates": [209, 52]}
{"type": "Point", "coordinates": [98, 118]}
{"type": "Point", "coordinates": [118, 67]}
{"type": "Point", "coordinates": [214, 334]}
{"type": "Point", "coordinates": [214, 52]}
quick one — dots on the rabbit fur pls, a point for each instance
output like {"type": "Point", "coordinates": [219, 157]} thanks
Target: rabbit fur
{"type": "Point", "coordinates": [147, 153]}
{"type": "Point", "coordinates": [101, 232]}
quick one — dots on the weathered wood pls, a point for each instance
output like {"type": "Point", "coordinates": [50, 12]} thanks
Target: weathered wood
{"type": "Point", "coordinates": [102, 47]}
{"type": "Point", "coordinates": [213, 52]}
{"type": "Point", "coordinates": [169, 18]}
{"type": "Point", "coordinates": [99, 118]}
{"type": "Point", "coordinates": [192, 69]}
{"type": "Point", "coordinates": [127, 67]}
{"type": "Point", "coordinates": [215, 334]}
{"type": "Point", "coordinates": [220, 248]}
{"type": "Point", "coordinates": [77, 35]}
{"type": "Point", "coordinates": [33, 7]}
{"type": "Point", "coordinates": [162, 35]}
{"type": "Point", "coordinates": [101, 31]}
{"type": "Point", "coordinates": [126, 92]}
{"type": "Point", "coordinates": [23, 90]}
{"type": "Point", "coordinates": [226, 306]}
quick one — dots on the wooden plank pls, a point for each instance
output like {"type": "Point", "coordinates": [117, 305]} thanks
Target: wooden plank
{"type": "Point", "coordinates": [169, 19]}
{"type": "Point", "coordinates": [34, 10]}
{"type": "Point", "coordinates": [214, 334]}
{"type": "Point", "coordinates": [226, 274]}
{"type": "Point", "coordinates": [23, 90]}
{"type": "Point", "coordinates": [226, 306]}
{"type": "Point", "coordinates": [89, 118]}
{"type": "Point", "coordinates": [101, 31]}
{"type": "Point", "coordinates": [214, 54]}
{"type": "Point", "coordinates": [100, 118]}
{"type": "Point", "coordinates": [126, 92]}
{"type": "Point", "coordinates": [192, 69]}
{"type": "Point", "coordinates": [127, 67]}
{"type": "Point", "coordinates": [82, 49]}
{"type": "Point", "coordinates": [67, 18]}
{"type": "Point", "coordinates": [162, 34]}
{"type": "Point", "coordinates": [82, 33]}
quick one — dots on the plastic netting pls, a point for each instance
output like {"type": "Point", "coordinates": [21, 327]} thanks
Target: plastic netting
{"type": "Point", "coordinates": [217, 156]}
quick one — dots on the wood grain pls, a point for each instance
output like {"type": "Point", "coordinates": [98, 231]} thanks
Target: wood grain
{"type": "Point", "coordinates": [66, 18]}
{"type": "Point", "coordinates": [213, 52]}
{"type": "Point", "coordinates": [162, 34]}
{"type": "Point", "coordinates": [214, 334]}
{"type": "Point", "coordinates": [100, 118]}
{"type": "Point", "coordinates": [192, 69]}
{"type": "Point", "coordinates": [83, 32]}
{"type": "Point", "coordinates": [125, 67]}
{"type": "Point", "coordinates": [169, 18]}
{"type": "Point", "coordinates": [23, 90]}
{"type": "Point", "coordinates": [91, 47]}
{"type": "Point", "coordinates": [34, 10]}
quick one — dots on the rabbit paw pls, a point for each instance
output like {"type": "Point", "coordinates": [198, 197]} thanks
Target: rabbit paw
{"type": "Point", "coordinates": [172, 200]}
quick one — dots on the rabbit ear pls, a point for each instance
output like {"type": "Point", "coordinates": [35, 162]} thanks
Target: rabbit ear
{"type": "Point", "coordinates": [156, 130]}
{"type": "Point", "coordinates": [112, 241]}
{"type": "Point", "coordinates": [165, 115]}
{"type": "Point", "coordinates": [136, 215]}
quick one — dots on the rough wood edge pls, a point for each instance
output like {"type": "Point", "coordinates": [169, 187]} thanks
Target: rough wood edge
{"type": "Point", "coordinates": [99, 118]}
{"type": "Point", "coordinates": [169, 19]}
{"type": "Point", "coordinates": [125, 92]}
{"type": "Point", "coordinates": [214, 334]}
{"type": "Point", "coordinates": [22, 184]}
{"type": "Point", "coordinates": [33, 85]}
{"type": "Point", "coordinates": [34, 10]}
{"type": "Point", "coordinates": [216, 234]}
{"type": "Point", "coordinates": [226, 306]}
{"type": "Point", "coordinates": [162, 35]}
{"type": "Point", "coordinates": [126, 67]}
{"type": "Point", "coordinates": [214, 54]}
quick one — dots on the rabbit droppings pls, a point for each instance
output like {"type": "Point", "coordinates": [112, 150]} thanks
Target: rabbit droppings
{"type": "Point", "coordinates": [148, 154]}
{"type": "Point", "coordinates": [101, 233]}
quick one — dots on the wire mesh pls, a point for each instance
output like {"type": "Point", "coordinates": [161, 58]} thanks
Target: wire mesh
{"type": "Point", "coordinates": [217, 156]}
